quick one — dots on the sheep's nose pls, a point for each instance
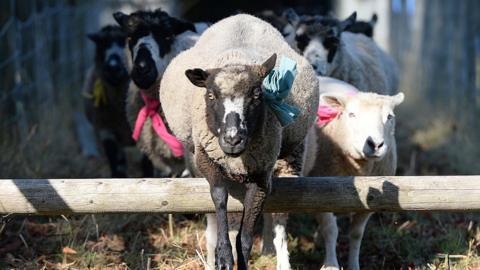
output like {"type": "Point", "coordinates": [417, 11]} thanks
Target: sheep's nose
{"type": "Point", "coordinates": [233, 140]}
{"type": "Point", "coordinates": [142, 66]}
{"type": "Point", "coordinates": [374, 146]}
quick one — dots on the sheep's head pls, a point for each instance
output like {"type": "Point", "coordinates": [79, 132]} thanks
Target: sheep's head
{"type": "Point", "coordinates": [235, 104]}
{"type": "Point", "coordinates": [150, 38]}
{"type": "Point", "coordinates": [281, 23]}
{"type": "Point", "coordinates": [365, 121]}
{"type": "Point", "coordinates": [364, 27]}
{"type": "Point", "coordinates": [109, 53]}
{"type": "Point", "coordinates": [318, 38]}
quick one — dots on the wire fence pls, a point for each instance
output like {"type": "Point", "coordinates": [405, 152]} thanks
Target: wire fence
{"type": "Point", "coordinates": [43, 58]}
{"type": "Point", "coordinates": [44, 55]}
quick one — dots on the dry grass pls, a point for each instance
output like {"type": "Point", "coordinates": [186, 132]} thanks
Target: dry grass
{"type": "Point", "coordinates": [392, 241]}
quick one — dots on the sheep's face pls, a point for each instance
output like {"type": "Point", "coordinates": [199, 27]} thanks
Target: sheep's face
{"type": "Point", "coordinates": [151, 35]}
{"type": "Point", "coordinates": [318, 38]}
{"type": "Point", "coordinates": [109, 53]}
{"type": "Point", "coordinates": [366, 122]}
{"type": "Point", "coordinates": [235, 106]}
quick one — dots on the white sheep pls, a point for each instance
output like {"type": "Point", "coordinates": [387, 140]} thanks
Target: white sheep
{"type": "Point", "coordinates": [149, 53]}
{"type": "Point", "coordinates": [221, 111]}
{"type": "Point", "coordinates": [354, 135]}
{"type": "Point", "coordinates": [337, 53]}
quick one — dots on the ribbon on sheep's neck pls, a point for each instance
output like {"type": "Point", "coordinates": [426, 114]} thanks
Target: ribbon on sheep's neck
{"type": "Point", "coordinates": [276, 87]}
{"type": "Point", "coordinates": [98, 94]}
{"type": "Point", "coordinates": [150, 111]}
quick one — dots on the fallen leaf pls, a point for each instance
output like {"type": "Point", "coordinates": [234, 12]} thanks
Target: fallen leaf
{"type": "Point", "coordinates": [68, 250]}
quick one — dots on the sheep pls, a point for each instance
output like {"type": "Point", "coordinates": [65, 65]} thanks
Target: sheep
{"type": "Point", "coordinates": [355, 135]}
{"type": "Point", "coordinates": [219, 109]}
{"type": "Point", "coordinates": [287, 22]}
{"type": "Point", "coordinates": [105, 91]}
{"type": "Point", "coordinates": [364, 27]}
{"type": "Point", "coordinates": [353, 58]}
{"type": "Point", "coordinates": [154, 39]}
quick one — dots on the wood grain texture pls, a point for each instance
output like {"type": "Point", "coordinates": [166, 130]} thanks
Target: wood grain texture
{"type": "Point", "coordinates": [190, 195]}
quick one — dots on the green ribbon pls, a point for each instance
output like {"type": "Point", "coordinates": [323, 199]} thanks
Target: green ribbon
{"type": "Point", "coordinates": [277, 86]}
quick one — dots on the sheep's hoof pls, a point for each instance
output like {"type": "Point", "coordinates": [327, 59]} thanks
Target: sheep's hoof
{"type": "Point", "coordinates": [330, 268]}
{"type": "Point", "coordinates": [224, 266]}
{"type": "Point", "coordinates": [224, 258]}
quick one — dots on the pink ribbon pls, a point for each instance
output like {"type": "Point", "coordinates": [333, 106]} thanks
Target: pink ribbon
{"type": "Point", "coordinates": [150, 110]}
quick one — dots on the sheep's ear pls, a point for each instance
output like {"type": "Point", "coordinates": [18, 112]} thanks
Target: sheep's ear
{"type": "Point", "coordinates": [121, 18]}
{"type": "Point", "coordinates": [95, 37]}
{"type": "Point", "coordinates": [291, 16]}
{"type": "Point", "coordinates": [374, 19]}
{"type": "Point", "coordinates": [335, 101]}
{"type": "Point", "coordinates": [180, 26]}
{"type": "Point", "coordinates": [197, 76]}
{"type": "Point", "coordinates": [398, 99]}
{"type": "Point", "coordinates": [268, 65]}
{"type": "Point", "coordinates": [348, 22]}
{"type": "Point", "coordinates": [128, 23]}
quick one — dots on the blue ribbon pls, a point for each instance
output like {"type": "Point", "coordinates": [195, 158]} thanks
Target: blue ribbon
{"type": "Point", "coordinates": [277, 86]}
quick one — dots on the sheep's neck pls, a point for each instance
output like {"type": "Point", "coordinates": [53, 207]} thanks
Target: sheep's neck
{"type": "Point", "coordinates": [116, 94]}
{"type": "Point", "coordinates": [340, 69]}
{"type": "Point", "coordinates": [152, 92]}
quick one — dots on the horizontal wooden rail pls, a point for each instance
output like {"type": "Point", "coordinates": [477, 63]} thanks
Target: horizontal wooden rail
{"type": "Point", "coordinates": [191, 195]}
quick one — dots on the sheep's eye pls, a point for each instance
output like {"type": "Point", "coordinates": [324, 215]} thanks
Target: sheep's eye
{"type": "Point", "coordinates": [257, 92]}
{"type": "Point", "coordinates": [390, 116]}
{"type": "Point", "coordinates": [351, 115]}
{"type": "Point", "coordinates": [211, 96]}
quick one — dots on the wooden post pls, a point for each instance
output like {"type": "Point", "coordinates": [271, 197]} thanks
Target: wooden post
{"type": "Point", "coordinates": [190, 195]}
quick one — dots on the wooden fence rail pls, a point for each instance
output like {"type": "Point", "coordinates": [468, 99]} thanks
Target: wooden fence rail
{"type": "Point", "coordinates": [191, 195]}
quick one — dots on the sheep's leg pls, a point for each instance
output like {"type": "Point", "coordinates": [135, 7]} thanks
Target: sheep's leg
{"type": "Point", "coordinates": [223, 252]}
{"type": "Point", "coordinates": [357, 228]}
{"type": "Point", "coordinates": [267, 243]}
{"type": "Point", "coordinates": [234, 222]}
{"type": "Point", "coordinates": [328, 229]}
{"type": "Point", "coordinates": [147, 167]}
{"type": "Point", "coordinates": [211, 237]}
{"type": "Point", "coordinates": [288, 166]}
{"type": "Point", "coordinates": [252, 209]}
{"type": "Point", "coordinates": [280, 240]}
{"type": "Point", "coordinates": [219, 194]}
{"type": "Point", "coordinates": [115, 155]}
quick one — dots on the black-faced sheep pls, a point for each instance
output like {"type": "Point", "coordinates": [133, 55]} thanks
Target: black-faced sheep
{"type": "Point", "coordinates": [355, 135]}
{"type": "Point", "coordinates": [105, 92]}
{"type": "Point", "coordinates": [154, 39]}
{"type": "Point", "coordinates": [364, 27]}
{"type": "Point", "coordinates": [289, 21]}
{"type": "Point", "coordinates": [353, 58]}
{"type": "Point", "coordinates": [221, 110]}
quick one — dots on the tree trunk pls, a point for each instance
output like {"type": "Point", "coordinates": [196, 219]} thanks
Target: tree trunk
{"type": "Point", "coordinates": [439, 83]}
